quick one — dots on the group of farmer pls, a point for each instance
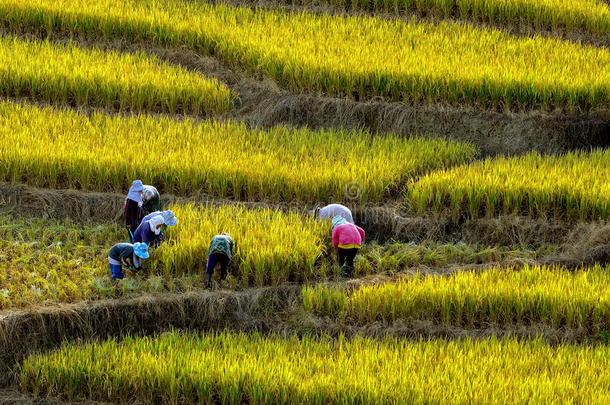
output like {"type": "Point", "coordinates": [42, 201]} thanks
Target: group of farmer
{"type": "Point", "coordinates": [146, 224]}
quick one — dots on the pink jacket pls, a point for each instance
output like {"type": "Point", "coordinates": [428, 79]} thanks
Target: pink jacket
{"type": "Point", "coordinates": [348, 235]}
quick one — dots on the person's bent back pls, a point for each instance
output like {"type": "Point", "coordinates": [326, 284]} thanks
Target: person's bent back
{"type": "Point", "coordinates": [150, 230]}
{"type": "Point", "coordinates": [334, 210]}
{"type": "Point", "coordinates": [219, 256]}
{"type": "Point", "coordinates": [347, 240]}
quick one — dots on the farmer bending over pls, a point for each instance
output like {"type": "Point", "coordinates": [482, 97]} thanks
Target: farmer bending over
{"type": "Point", "coordinates": [151, 200]}
{"type": "Point", "coordinates": [331, 211]}
{"type": "Point", "coordinates": [126, 254]}
{"type": "Point", "coordinates": [347, 240]}
{"type": "Point", "coordinates": [133, 210]}
{"type": "Point", "coordinates": [168, 215]}
{"type": "Point", "coordinates": [219, 256]}
{"type": "Point", "coordinates": [151, 230]}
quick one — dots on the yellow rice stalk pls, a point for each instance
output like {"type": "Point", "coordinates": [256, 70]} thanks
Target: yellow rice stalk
{"type": "Point", "coordinates": [575, 185]}
{"type": "Point", "coordinates": [81, 77]}
{"type": "Point", "coordinates": [59, 149]}
{"type": "Point", "coordinates": [587, 17]}
{"type": "Point", "coordinates": [533, 295]}
{"type": "Point", "coordinates": [239, 368]}
{"type": "Point", "coordinates": [364, 56]}
{"type": "Point", "coordinates": [273, 247]}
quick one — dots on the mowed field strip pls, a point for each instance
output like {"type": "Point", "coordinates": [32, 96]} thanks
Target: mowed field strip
{"type": "Point", "coordinates": [348, 56]}
{"type": "Point", "coordinates": [553, 296]}
{"type": "Point", "coordinates": [66, 149]}
{"type": "Point", "coordinates": [239, 368]}
{"type": "Point", "coordinates": [65, 74]}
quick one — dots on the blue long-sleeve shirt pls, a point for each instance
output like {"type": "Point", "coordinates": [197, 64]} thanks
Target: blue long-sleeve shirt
{"type": "Point", "coordinates": [146, 235]}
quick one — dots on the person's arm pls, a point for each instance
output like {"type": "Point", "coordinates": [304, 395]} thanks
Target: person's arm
{"type": "Point", "coordinates": [336, 237]}
{"type": "Point", "coordinates": [362, 233]}
{"type": "Point", "coordinates": [126, 257]}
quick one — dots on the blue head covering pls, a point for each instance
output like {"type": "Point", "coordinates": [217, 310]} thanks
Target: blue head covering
{"type": "Point", "coordinates": [169, 218]}
{"type": "Point", "coordinates": [338, 221]}
{"type": "Point", "coordinates": [134, 191]}
{"type": "Point", "coordinates": [141, 250]}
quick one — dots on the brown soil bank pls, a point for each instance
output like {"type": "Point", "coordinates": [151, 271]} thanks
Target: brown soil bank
{"type": "Point", "coordinates": [583, 243]}
{"type": "Point", "coordinates": [262, 104]}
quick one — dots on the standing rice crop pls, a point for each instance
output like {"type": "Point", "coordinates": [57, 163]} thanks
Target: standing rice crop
{"type": "Point", "coordinates": [272, 246]}
{"type": "Point", "coordinates": [574, 185]}
{"type": "Point", "coordinates": [554, 297]}
{"type": "Point", "coordinates": [590, 18]}
{"type": "Point", "coordinates": [240, 368]}
{"type": "Point", "coordinates": [88, 77]}
{"type": "Point", "coordinates": [412, 61]}
{"type": "Point", "coordinates": [59, 149]}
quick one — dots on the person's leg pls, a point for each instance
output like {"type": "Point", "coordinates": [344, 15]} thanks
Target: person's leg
{"type": "Point", "coordinates": [224, 263]}
{"type": "Point", "coordinates": [341, 255]}
{"type": "Point", "coordinates": [116, 271]}
{"type": "Point", "coordinates": [212, 261]}
{"type": "Point", "coordinates": [350, 256]}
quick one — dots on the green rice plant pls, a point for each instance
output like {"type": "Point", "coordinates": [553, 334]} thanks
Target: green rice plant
{"type": "Point", "coordinates": [272, 246]}
{"type": "Point", "coordinates": [575, 185]}
{"type": "Point", "coordinates": [82, 77]}
{"type": "Point", "coordinates": [411, 61]}
{"type": "Point", "coordinates": [533, 295]}
{"type": "Point", "coordinates": [58, 149]}
{"type": "Point", "coordinates": [587, 17]}
{"type": "Point", "coordinates": [240, 368]}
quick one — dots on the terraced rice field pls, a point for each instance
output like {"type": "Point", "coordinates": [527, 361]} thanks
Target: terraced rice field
{"type": "Point", "coordinates": [55, 261]}
{"type": "Point", "coordinates": [46, 260]}
{"type": "Point", "coordinates": [237, 368]}
{"type": "Point", "coordinates": [273, 246]}
{"type": "Point", "coordinates": [350, 56]}
{"type": "Point", "coordinates": [585, 16]}
{"type": "Point", "coordinates": [65, 74]}
{"type": "Point", "coordinates": [51, 148]}
{"type": "Point", "coordinates": [530, 295]}
{"type": "Point", "coordinates": [77, 113]}
{"type": "Point", "coordinates": [573, 186]}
